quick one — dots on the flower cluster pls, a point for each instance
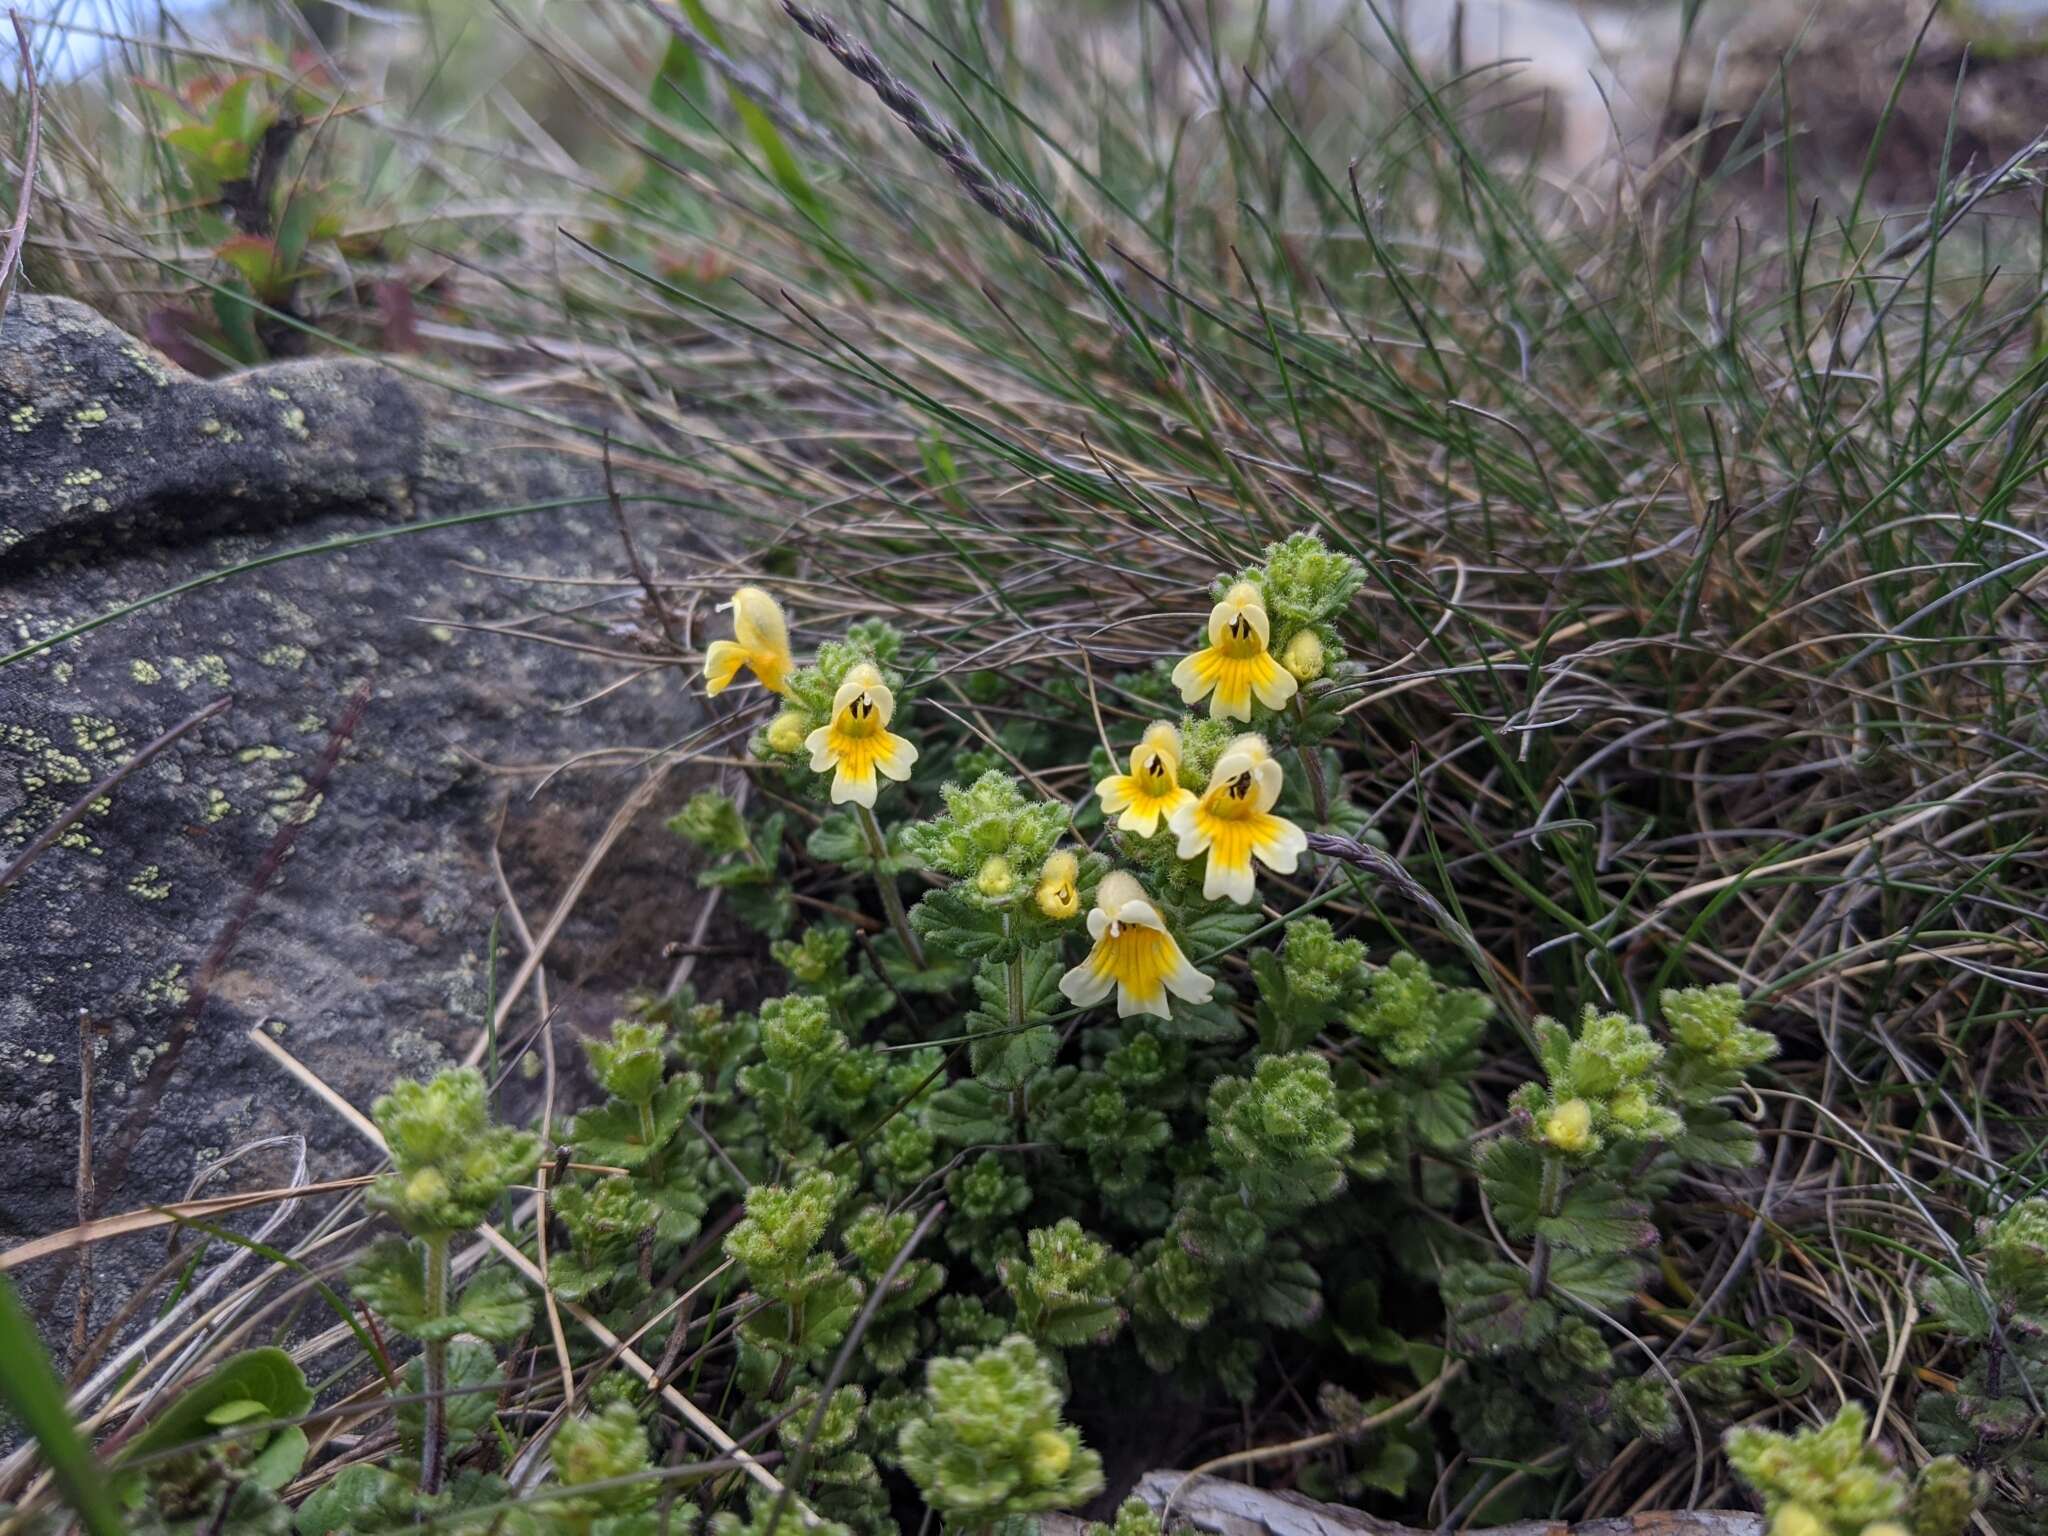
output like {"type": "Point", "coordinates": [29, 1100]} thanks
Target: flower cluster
{"type": "Point", "coordinates": [1602, 1085]}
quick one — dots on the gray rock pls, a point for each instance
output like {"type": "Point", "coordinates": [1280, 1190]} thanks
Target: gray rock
{"type": "Point", "coordinates": [366, 955]}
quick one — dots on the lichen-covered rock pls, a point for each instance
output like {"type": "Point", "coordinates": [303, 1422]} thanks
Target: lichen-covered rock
{"type": "Point", "coordinates": [366, 953]}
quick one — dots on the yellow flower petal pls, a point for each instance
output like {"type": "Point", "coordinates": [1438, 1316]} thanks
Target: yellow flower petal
{"type": "Point", "coordinates": [1134, 955]}
{"type": "Point", "coordinates": [760, 643]}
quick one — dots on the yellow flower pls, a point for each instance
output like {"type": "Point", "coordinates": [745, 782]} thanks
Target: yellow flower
{"type": "Point", "coordinates": [1134, 956]}
{"type": "Point", "coordinates": [786, 731]}
{"type": "Point", "coordinates": [760, 643]}
{"type": "Point", "coordinates": [1303, 657]}
{"type": "Point", "coordinates": [1234, 822]}
{"type": "Point", "coordinates": [1569, 1127]}
{"type": "Point", "coordinates": [1057, 896]}
{"type": "Point", "coordinates": [1236, 663]}
{"type": "Point", "coordinates": [1151, 790]}
{"type": "Point", "coordinates": [857, 744]}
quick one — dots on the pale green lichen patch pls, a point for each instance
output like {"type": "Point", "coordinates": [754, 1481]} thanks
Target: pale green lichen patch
{"type": "Point", "coordinates": [170, 987]}
{"type": "Point", "coordinates": [188, 673]}
{"type": "Point", "coordinates": [149, 884]}
{"type": "Point", "coordinates": [84, 477]}
{"type": "Point", "coordinates": [262, 754]}
{"type": "Point", "coordinates": [217, 806]}
{"type": "Point", "coordinates": [294, 422]}
{"type": "Point", "coordinates": [22, 418]}
{"type": "Point", "coordinates": [151, 368]}
{"type": "Point", "coordinates": [94, 415]}
{"type": "Point", "coordinates": [284, 654]}
{"type": "Point", "coordinates": [144, 672]}
{"type": "Point", "coordinates": [96, 735]}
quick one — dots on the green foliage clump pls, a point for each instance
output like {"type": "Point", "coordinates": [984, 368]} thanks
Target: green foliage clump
{"type": "Point", "coordinates": [450, 1165]}
{"type": "Point", "coordinates": [2001, 1321]}
{"type": "Point", "coordinates": [990, 1443]}
{"type": "Point", "coordinates": [1067, 1287]}
{"type": "Point", "coordinates": [1829, 1481]}
{"type": "Point", "coordinates": [1278, 1136]}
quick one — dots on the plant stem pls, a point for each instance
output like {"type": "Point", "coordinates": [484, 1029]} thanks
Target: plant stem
{"type": "Point", "coordinates": [1312, 765]}
{"type": "Point", "coordinates": [1539, 1254]}
{"type": "Point", "coordinates": [1013, 975]}
{"type": "Point", "coordinates": [434, 1367]}
{"type": "Point", "coordinates": [885, 884]}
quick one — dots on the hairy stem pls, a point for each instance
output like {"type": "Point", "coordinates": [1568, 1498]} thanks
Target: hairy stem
{"type": "Point", "coordinates": [1312, 765]}
{"type": "Point", "coordinates": [885, 885]}
{"type": "Point", "coordinates": [434, 1367]}
{"type": "Point", "coordinates": [1539, 1253]}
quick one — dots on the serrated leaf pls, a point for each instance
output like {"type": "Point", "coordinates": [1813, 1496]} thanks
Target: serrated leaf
{"type": "Point", "coordinates": [968, 1114]}
{"type": "Point", "coordinates": [1217, 928]}
{"type": "Point", "coordinates": [838, 840]}
{"type": "Point", "coordinates": [1288, 1294]}
{"type": "Point", "coordinates": [389, 1281]}
{"type": "Point", "coordinates": [1069, 1326]}
{"type": "Point", "coordinates": [1442, 1114]}
{"type": "Point", "coordinates": [960, 930]}
{"type": "Point", "coordinates": [495, 1306]}
{"type": "Point", "coordinates": [1715, 1136]}
{"type": "Point", "coordinates": [471, 1396]}
{"type": "Point", "coordinates": [1600, 1218]}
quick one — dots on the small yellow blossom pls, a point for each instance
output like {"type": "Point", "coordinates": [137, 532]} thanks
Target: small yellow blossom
{"type": "Point", "coordinates": [1151, 791]}
{"type": "Point", "coordinates": [857, 744]}
{"type": "Point", "coordinates": [760, 643]}
{"type": "Point", "coordinates": [1236, 664]}
{"type": "Point", "coordinates": [1303, 657]}
{"type": "Point", "coordinates": [787, 730]}
{"type": "Point", "coordinates": [1058, 896]}
{"type": "Point", "coordinates": [1134, 956]}
{"type": "Point", "coordinates": [1234, 822]}
{"type": "Point", "coordinates": [1569, 1127]}
{"type": "Point", "coordinates": [996, 879]}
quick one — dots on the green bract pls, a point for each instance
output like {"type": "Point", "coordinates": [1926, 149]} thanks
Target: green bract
{"type": "Point", "coordinates": [1279, 1135]}
{"type": "Point", "coordinates": [450, 1164]}
{"type": "Point", "coordinates": [990, 836]}
{"type": "Point", "coordinates": [1823, 1480]}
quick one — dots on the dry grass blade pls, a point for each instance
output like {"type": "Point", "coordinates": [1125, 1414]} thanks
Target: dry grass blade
{"type": "Point", "coordinates": [24, 194]}
{"type": "Point", "coordinates": [179, 1214]}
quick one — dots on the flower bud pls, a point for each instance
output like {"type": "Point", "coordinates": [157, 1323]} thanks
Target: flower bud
{"type": "Point", "coordinates": [1050, 1456]}
{"type": "Point", "coordinates": [787, 730]}
{"type": "Point", "coordinates": [1057, 896]}
{"type": "Point", "coordinates": [996, 879]}
{"type": "Point", "coordinates": [1569, 1127]}
{"type": "Point", "coordinates": [1303, 657]}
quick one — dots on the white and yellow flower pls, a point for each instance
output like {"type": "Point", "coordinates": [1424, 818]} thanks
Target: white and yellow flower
{"type": "Point", "coordinates": [1236, 665]}
{"type": "Point", "coordinates": [1058, 893]}
{"type": "Point", "coordinates": [1151, 791]}
{"type": "Point", "coordinates": [1233, 822]}
{"type": "Point", "coordinates": [760, 643]}
{"type": "Point", "coordinates": [1134, 956]}
{"type": "Point", "coordinates": [857, 743]}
